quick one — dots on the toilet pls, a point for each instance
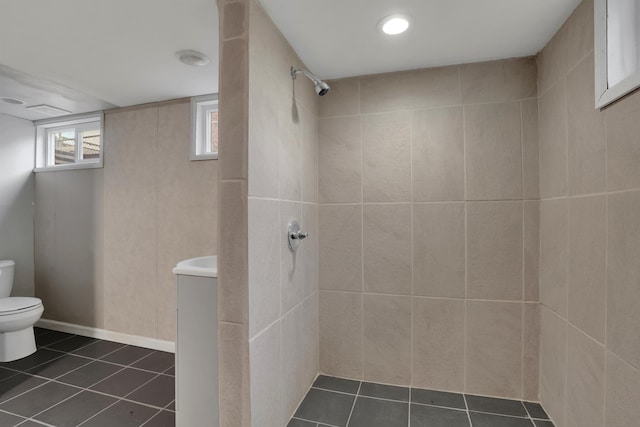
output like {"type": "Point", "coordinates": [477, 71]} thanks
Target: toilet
{"type": "Point", "coordinates": [17, 317]}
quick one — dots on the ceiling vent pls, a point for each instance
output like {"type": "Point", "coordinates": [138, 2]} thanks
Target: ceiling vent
{"type": "Point", "coordinates": [48, 110]}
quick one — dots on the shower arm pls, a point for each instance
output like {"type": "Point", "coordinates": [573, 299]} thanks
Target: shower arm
{"type": "Point", "coordinates": [296, 71]}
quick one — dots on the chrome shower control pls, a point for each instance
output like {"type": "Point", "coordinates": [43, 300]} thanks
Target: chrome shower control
{"type": "Point", "coordinates": [295, 235]}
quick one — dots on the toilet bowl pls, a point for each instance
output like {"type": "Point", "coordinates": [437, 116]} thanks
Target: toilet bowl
{"type": "Point", "coordinates": [17, 317]}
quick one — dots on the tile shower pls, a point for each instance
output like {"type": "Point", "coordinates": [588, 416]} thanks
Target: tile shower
{"type": "Point", "coordinates": [463, 223]}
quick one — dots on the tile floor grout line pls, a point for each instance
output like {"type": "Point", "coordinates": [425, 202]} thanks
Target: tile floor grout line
{"type": "Point", "coordinates": [466, 405]}
{"type": "Point", "coordinates": [54, 405]}
{"type": "Point", "coordinates": [152, 417]}
{"type": "Point", "coordinates": [355, 399]}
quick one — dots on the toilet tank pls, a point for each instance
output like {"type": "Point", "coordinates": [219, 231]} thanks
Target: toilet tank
{"type": "Point", "coordinates": [6, 277]}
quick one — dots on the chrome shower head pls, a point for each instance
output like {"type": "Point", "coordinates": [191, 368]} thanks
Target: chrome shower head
{"type": "Point", "coordinates": [322, 88]}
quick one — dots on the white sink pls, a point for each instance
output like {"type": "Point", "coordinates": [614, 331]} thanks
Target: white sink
{"type": "Point", "coordinates": [205, 266]}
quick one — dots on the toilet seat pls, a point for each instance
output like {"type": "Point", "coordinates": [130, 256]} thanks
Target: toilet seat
{"type": "Point", "coordinates": [16, 305]}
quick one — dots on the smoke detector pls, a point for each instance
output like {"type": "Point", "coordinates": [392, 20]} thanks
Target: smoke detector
{"type": "Point", "coordinates": [192, 58]}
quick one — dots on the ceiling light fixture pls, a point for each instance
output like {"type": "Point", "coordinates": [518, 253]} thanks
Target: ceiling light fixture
{"type": "Point", "coordinates": [12, 101]}
{"type": "Point", "coordinates": [394, 24]}
{"type": "Point", "coordinates": [193, 58]}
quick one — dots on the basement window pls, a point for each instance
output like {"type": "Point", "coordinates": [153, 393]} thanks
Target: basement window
{"type": "Point", "coordinates": [69, 143]}
{"type": "Point", "coordinates": [204, 127]}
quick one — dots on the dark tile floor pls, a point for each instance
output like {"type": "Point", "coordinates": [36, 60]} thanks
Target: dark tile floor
{"type": "Point", "coordinates": [77, 381]}
{"type": "Point", "coordinates": [336, 402]}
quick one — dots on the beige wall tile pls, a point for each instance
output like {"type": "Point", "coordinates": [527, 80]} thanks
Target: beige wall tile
{"type": "Point", "coordinates": [341, 258]}
{"type": "Point", "coordinates": [309, 154]}
{"type": "Point", "coordinates": [294, 385]}
{"type": "Point", "coordinates": [386, 145]}
{"type": "Point", "coordinates": [553, 141]}
{"type": "Point", "coordinates": [234, 76]}
{"type": "Point", "coordinates": [530, 152]}
{"type": "Point", "coordinates": [439, 249]}
{"type": "Point", "coordinates": [553, 60]}
{"type": "Point", "coordinates": [586, 132]}
{"type": "Point", "coordinates": [340, 160]}
{"type": "Point", "coordinates": [438, 154]}
{"type": "Point", "coordinates": [233, 246]}
{"type": "Point", "coordinates": [531, 352]}
{"type": "Point", "coordinates": [587, 265]}
{"type": "Point", "coordinates": [291, 263]}
{"type": "Point", "coordinates": [585, 381]}
{"type": "Point", "coordinates": [310, 249]}
{"type": "Point", "coordinates": [266, 378]}
{"type": "Point", "coordinates": [553, 365]}
{"type": "Point", "coordinates": [623, 150]}
{"type": "Point", "coordinates": [344, 99]}
{"type": "Point", "coordinates": [580, 30]}
{"type": "Point", "coordinates": [234, 375]}
{"type": "Point", "coordinates": [311, 341]}
{"type": "Point", "coordinates": [496, 81]}
{"type": "Point", "coordinates": [264, 263]}
{"type": "Point", "coordinates": [623, 276]}
{"type": "Point", "coordinates": [532, 251]}
{"type": "Point", "coordinates": [235, 20]}
{"type": "Point", "coordinates": [387, 249]}
{"type": "Point", "coordinates": [436, 87]}
{"type": "Point", "coordinates": [412, 89]}
{"type": "Point", "coordinates": [387, 339]}
{"type": "Point", "coordinates": [341, 334]}
{"type": "Point", "coordinates": [622, 391]}
{"type": "Point", "coordinates": [494, 250]}
{"type": "Point", "coordinates": [130, 240]}
{"type": "Point", "coordinates": [264, 137]}
{"type": "Point", "coordinates": [290, 150]}
{"type": "Point", "coordinates": [493, 148]}
{"type": "Point", "coordinates": [554, 224]}
{"type": "Point", "coordinates": [387, 92]}
{"type": "Point", "coordinates": [438, 343]}
{"type": "Point", "coordinates": [494, 348]}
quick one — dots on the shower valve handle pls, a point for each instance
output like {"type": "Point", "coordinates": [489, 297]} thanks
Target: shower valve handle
{"type": "Point", "coordinates": [299, 235]}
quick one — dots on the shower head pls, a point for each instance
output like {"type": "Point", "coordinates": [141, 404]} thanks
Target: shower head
{"type": "Point", "coordinates": [322, 88]}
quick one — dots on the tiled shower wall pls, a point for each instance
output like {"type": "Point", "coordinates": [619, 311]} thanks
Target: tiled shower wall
{"type": "Point", "coordinates": [589, 231]}
{"type": "Point", "coordinates": [428, 191]}
{"type": "Point", "coordinates": [283, 185]}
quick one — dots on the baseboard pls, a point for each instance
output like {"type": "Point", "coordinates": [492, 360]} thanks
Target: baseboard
{"type": "Point", "coordinates": [104, 334]}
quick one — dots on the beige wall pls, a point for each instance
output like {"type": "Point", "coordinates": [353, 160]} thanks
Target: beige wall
{"type": "Point", "coordinates": [590, 229]}
{"type": "Point", "coordinates": [428, 184]}
{"type": "Point", "coordinates": [107, 239]}
{"type": "Point", "coordinates": [283, 177]}
{"type": "Point", "coordinates": [16, 200]}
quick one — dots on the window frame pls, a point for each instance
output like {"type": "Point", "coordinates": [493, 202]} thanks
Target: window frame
{"type": "Point", "coordinates": [45, 151]}
{"type": "Point", "coordinates": [605, 94]}
{"type": "Point", "coordinates": [201, 106]}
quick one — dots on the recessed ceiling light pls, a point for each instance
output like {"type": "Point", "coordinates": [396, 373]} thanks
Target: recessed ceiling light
{"type": "Point", "coordinates": [12, 101]}
{"type": "Point", "coordinates": [394, 24]}
{"type": "Point", "coordinates": [193, 58]}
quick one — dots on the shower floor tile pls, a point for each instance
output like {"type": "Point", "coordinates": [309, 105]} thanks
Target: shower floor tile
{"type": "Point", "coordinates": [64, 384]}
{"type": "Point", "coordinates": [338, 402]}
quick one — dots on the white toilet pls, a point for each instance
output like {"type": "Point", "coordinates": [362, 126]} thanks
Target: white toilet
{"type": "Point", "coordinates": [17, 317]}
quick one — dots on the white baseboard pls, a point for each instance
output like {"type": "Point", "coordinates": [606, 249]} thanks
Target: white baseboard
{"type": "Point", "coordinates": [104, 334]}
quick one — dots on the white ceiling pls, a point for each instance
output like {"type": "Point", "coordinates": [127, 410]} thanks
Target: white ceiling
{"type": "Point", "coordinates": [107, 52]}
{"type": "Point", "coordinates": [340, 38]}
{"type": "Point", "coordinates": [83, 55]}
